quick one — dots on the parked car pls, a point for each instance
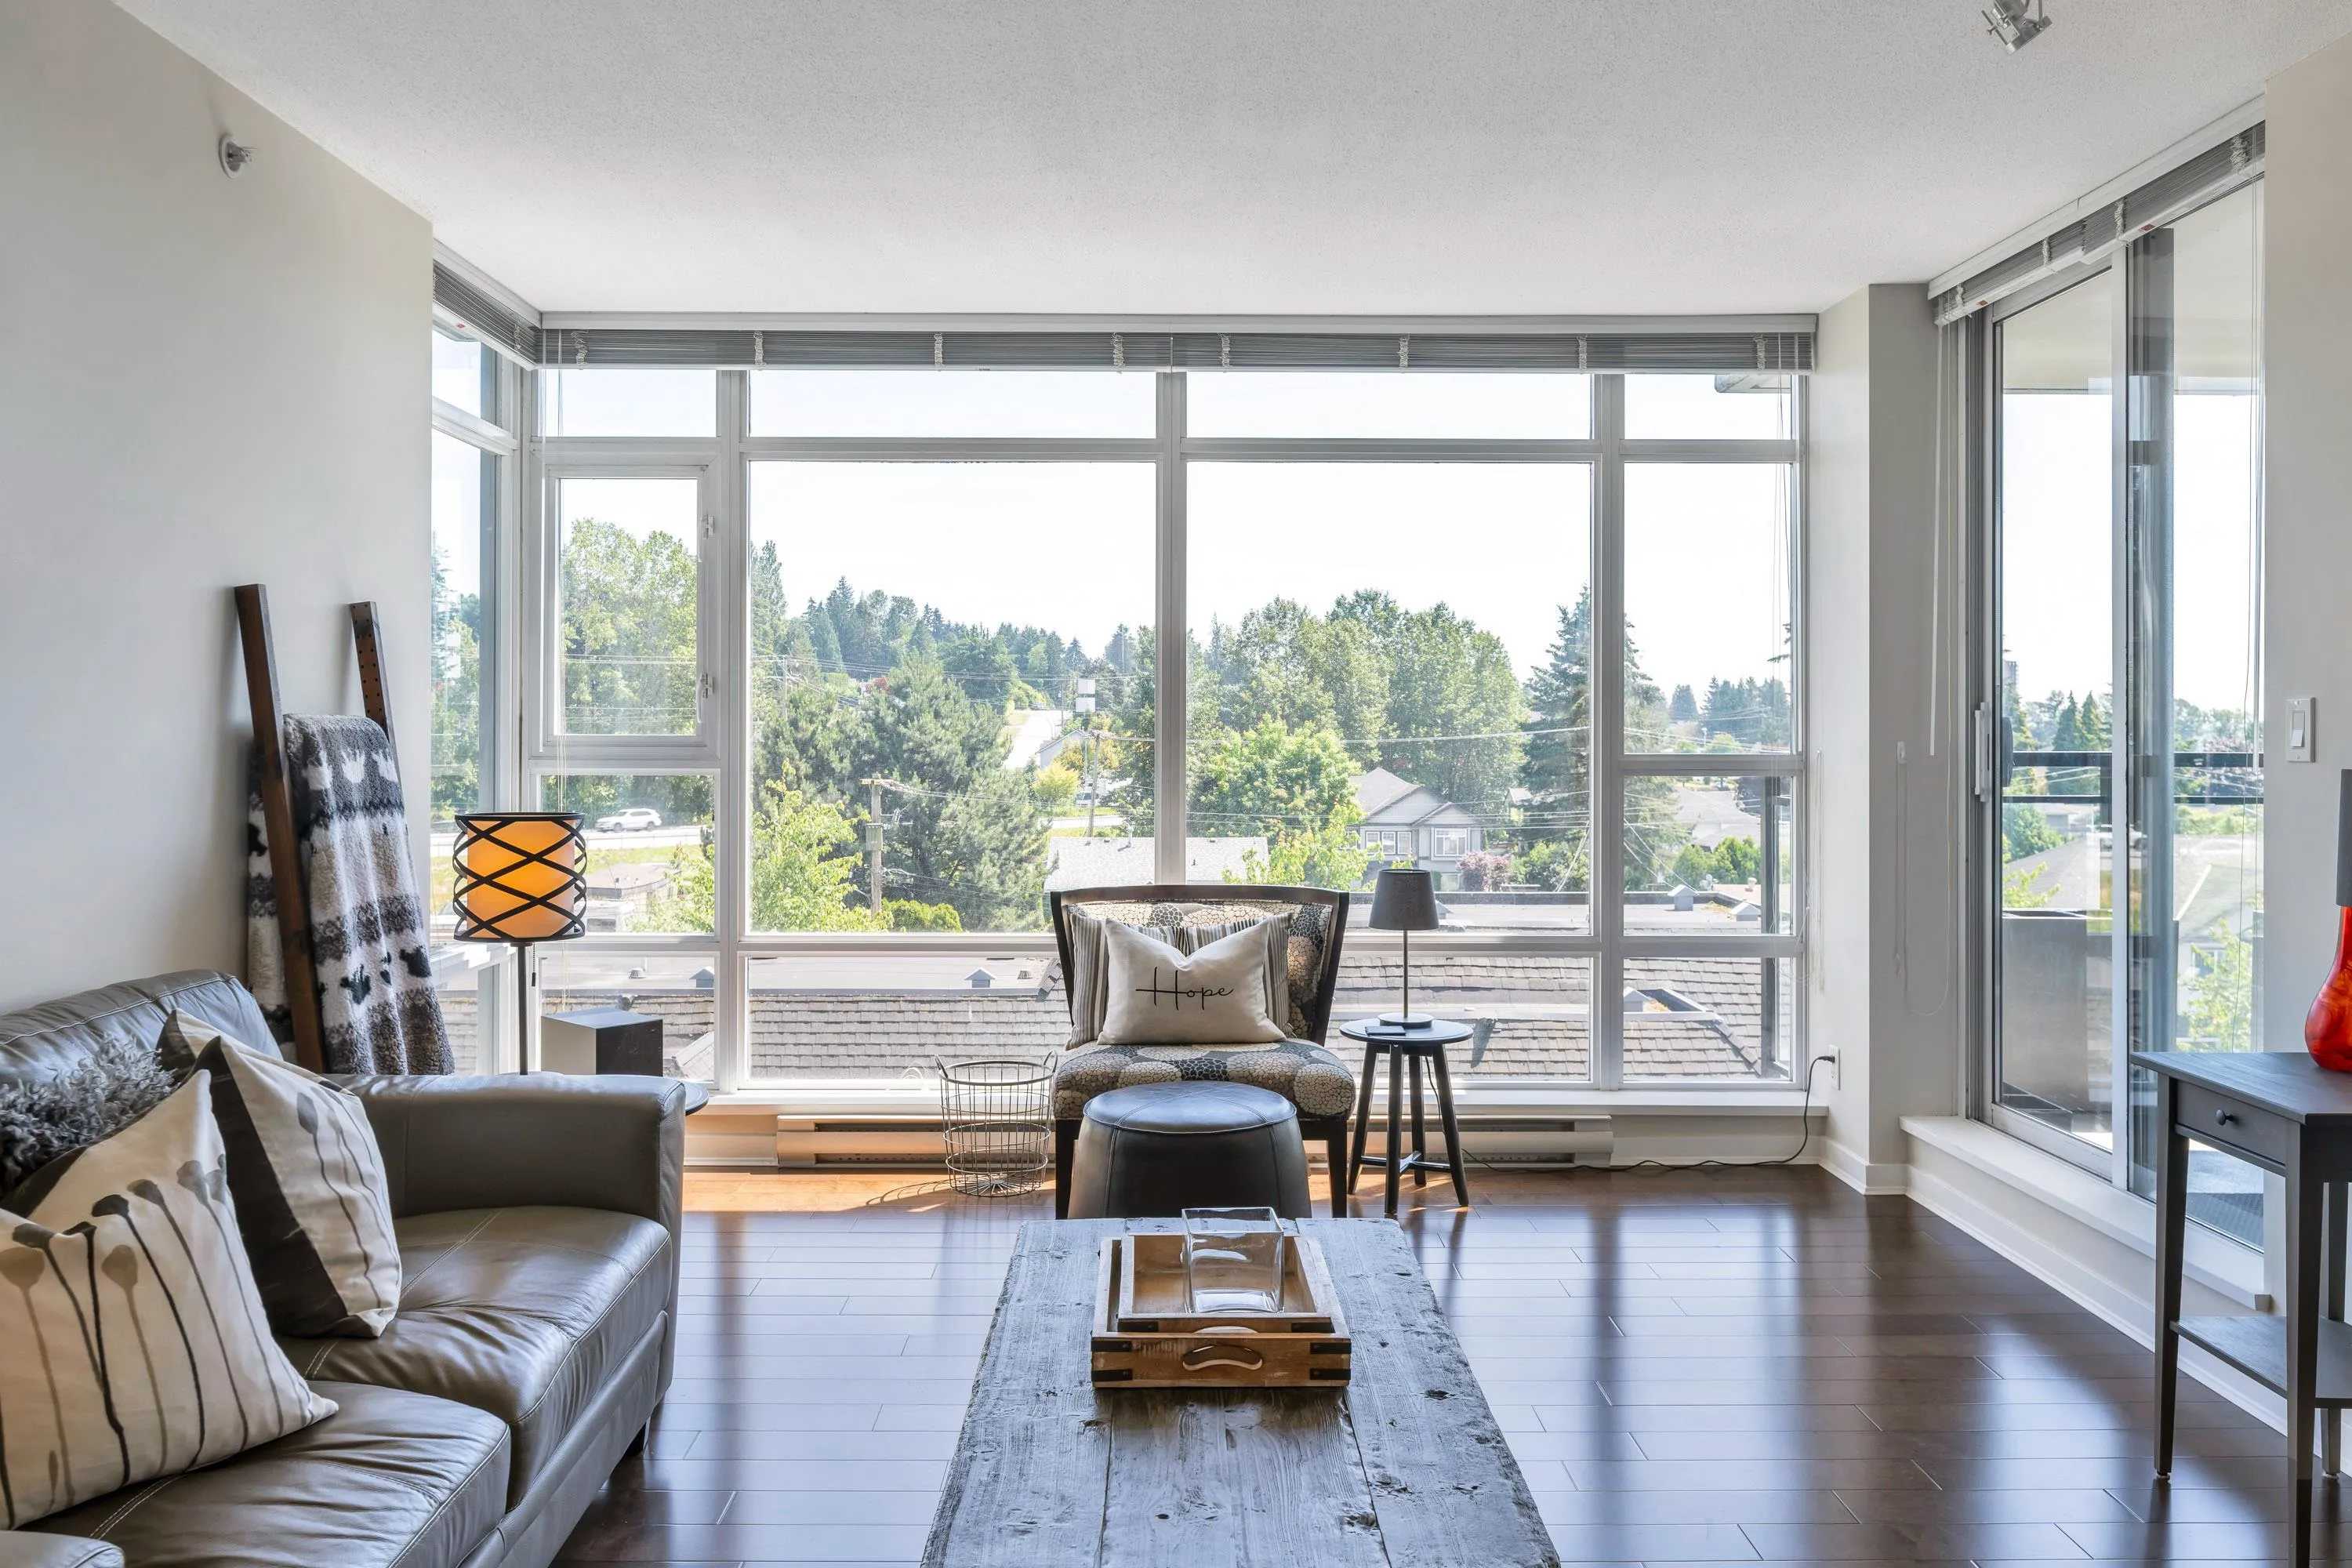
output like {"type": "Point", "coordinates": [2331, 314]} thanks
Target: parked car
{"type": "Point", "coordinates": [636, 819]}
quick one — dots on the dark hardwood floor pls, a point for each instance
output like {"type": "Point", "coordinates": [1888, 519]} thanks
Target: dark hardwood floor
{"type": "Point", "coordinates": [1692, 1367]}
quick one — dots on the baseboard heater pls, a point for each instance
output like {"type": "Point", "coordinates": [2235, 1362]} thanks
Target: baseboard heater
{"type": "Point", "coordinates": [913, 1143]}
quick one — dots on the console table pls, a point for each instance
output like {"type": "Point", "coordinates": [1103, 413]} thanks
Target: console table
{"type": "Point", "coordinates": [2287, 1114]}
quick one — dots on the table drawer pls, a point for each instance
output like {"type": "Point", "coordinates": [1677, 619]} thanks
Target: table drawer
{"type": "Point", "coordinates": [2216, 1119]}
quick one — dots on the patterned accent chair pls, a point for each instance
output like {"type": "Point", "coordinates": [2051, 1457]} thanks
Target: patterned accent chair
{"type": "Point", "coordinates": [1185, 914]}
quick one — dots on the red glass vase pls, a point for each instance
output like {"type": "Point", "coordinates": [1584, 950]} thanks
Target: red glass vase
{"type": "Point", "coordinates": [2327, 1029]}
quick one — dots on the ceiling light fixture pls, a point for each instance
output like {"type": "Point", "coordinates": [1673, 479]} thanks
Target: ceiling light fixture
{"type": "Point", "coordinates": [2016, 23]}
{"type": "Point", "coordinates": [235, 156]}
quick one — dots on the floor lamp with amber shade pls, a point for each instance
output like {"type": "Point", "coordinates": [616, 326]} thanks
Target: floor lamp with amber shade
{"type": "Point", "coordinates": [521, 878]}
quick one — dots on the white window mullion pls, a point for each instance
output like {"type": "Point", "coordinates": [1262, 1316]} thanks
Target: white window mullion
{"type": "Point", "coordinates": [1172, 665]}
{"type": "Point", "coordinates": [726, 659]}
{"type": "Point", "coordinates": [508, 680]}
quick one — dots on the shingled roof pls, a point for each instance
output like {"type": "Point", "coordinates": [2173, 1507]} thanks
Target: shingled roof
{"type": "Point", "coordinates": [1700, 1017]}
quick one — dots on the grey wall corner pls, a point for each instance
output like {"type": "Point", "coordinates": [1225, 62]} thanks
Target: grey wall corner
{"type": "Point", "coordinates": [1888, 807]}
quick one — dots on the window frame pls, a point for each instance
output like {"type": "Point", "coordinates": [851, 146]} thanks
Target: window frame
{"type": "Point", "coordinates": [2133, 642]}
{"type": "Point", "coordinates": [509, 396]}
{"type": "Point", "coordinates": [2112, 1164]}
{"type": "Point", "coordinates": [723, 744]}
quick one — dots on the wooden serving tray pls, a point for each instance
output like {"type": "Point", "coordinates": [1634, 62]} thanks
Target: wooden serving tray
{"type": "Point", "coordinates": [1147, 1336]}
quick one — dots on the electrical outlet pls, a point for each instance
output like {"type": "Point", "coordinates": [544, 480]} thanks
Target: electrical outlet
{"type": "Point", "coordinates": [1828, 1060]}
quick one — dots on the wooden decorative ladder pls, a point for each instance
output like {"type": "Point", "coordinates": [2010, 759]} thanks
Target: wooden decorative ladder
{"type": "Point", "coordinates": [278, 797]}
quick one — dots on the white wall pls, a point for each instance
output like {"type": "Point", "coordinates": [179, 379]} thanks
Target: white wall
{"type": "Point", "coordinates": [1885, 995]}
{"type": "Point", "coordinates": [203, 382]}
{"type": "Point", "coordinates": [2307, 569]}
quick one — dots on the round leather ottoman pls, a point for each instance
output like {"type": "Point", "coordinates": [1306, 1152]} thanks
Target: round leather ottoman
{"type": "Point", "coordinates": [1158, 1149]}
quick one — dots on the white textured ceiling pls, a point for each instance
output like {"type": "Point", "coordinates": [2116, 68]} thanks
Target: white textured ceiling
{"type": "Point", "coordinates": [1232, 156]}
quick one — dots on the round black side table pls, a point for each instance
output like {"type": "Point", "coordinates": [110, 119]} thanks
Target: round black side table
{"type": "Point", "coordinates": [1406, 1048]}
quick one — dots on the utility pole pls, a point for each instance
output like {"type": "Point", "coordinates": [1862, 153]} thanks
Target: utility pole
{"type": "Point", "coordinates": [1086, 706]}
{"type": "Point", "coordinates": [874, 844]}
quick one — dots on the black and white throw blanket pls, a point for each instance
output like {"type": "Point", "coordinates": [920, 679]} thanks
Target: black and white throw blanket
{"type": "Point", "coordinates": [376, 1002]}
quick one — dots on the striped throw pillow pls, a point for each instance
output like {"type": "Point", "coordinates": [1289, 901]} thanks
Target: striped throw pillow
{"type": "Point", "coordinates": [308, 1182]}
{"type": "Point", "coordinates": [133, 1342]}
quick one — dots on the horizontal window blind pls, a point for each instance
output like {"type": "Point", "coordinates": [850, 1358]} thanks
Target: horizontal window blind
{"type": "Point", "coordinates": [513, 335]}
{"type": "Point", "coordinates": [2212, 173]}
{"type": "Point", "coordinates": [1724, 353]}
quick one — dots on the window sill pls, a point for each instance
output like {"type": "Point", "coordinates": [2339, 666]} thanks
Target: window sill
{"type": "Point", "coordinates": [919, 1102]}
{"type": "Point", "coordinates": [2213, 1260]}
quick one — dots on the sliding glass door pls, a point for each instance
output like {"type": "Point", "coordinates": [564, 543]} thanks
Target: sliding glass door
{"type": "Point", "coordinates": [2123, 774]}
{"type": "Point", "coordinates": [2192, 499]}
{"type": "Point", "coordinates": [2055, 425]}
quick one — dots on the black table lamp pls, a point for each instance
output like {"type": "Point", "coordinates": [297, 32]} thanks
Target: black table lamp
{"type": "Point", "coordinates": [1405, 901]}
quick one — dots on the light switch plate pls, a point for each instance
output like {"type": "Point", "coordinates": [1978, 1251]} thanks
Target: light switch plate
{"type": "Point", "coordinates": [2298, 728]}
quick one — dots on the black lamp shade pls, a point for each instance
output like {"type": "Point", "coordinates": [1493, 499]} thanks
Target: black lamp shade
{"type": "Point", "coordinates": [1404, 899]}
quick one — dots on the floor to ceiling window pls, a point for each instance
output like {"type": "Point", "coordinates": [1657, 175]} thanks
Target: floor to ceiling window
{"type": "Point", "coordinates": [849, 668]}
{"type": "Point", "coordinates": [2127, 498]}
{"type": "Point", "coordinates": [473, 465]}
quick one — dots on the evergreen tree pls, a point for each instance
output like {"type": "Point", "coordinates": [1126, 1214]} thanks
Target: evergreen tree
{"type": "Point", "coordinates": [982, 667]}
{"type": "Point", "coordinates": [2065, 735]}
{"type": "Point", "coordinates": [1557, 758]}
{"type": "Point", "coordinates": [1557, 776]}
{"type": "Point", "coordinates": [2091, 724]}
{"type": "Point", "coordinates": [961, 826]}
{"type": "Point", "coordinates": [456, 696]}
{"type": "Point", "coordinates": [1683, 708]}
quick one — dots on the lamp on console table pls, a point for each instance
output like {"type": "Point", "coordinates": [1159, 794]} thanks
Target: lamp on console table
{"type": "Point", "coordinates": [521, 878]}
{"type": "Point", "coordinates": [1405, 901]}
{"type": "Point", "coordinates": [2327, 1030]}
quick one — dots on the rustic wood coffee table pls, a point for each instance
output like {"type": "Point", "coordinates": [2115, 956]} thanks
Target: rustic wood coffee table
{"type": "Point", "coordinates": [1406, 1466]}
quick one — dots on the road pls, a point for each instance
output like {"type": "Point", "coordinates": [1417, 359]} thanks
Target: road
{"type": "Point", "coordinates": [651, 838]}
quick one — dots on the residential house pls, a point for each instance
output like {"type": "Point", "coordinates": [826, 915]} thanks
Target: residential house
{"type": "Point", "coordinates": [1406, 824]}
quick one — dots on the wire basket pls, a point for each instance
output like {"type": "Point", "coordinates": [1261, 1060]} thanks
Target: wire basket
{"type": "Point", "coordinates": [997, 1118]}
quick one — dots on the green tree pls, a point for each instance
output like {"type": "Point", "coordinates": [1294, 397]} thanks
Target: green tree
{"type": "Point", "coordinates": [2026, 887]}
{"type": "Point", "coordinates": [1454, 706]}
{"type": "Point", "coordinates": [803, 873]}
{"type": "Point", "coordinates": [1556, 865]}
{"type": "Point", "coordinates": [1133, 715]}
{"type": "Point", "coordinates": [1555, 765]}
{"type": "Point", "coordinates": [982, 666]}
{"type": "Point", "coordinates": [1284, 665]}
{"type": "Point", "coordinates": [1330, 856]}
{"type": "Point", "coordinates": [629, 612]}
{"type": "Point", "coordinates": [1749, 711]}
{"type": "Point", "coordinates": [1738, 860]}
{"type": "Point", "coordinates": [2025, 832]}
{"type": "Point", "coordinates": [1274, 781]}
{"type": "Point", "coordinates": [456, 696]}
{"type": "Point", "coordinates": [2221, 1008]}
{"type": "Point", "coordinates": [1683, 707]}
{"type": "Point", "coordinates": [2091, 724]}
{"type": "Point", "coordinates": [1556, 770]}
{"type": "Point", "coordinates": [1296, 788]}
{"type": "Point", "coordinates": [910, 914]}
{"type": "Point", "coordinates": [1693, 866]}
{"type": "Point", "coordinates": [961, 829]}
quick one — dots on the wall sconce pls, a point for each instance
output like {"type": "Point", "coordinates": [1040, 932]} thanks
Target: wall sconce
{"type": "Point", "coordinates": [235, 156]}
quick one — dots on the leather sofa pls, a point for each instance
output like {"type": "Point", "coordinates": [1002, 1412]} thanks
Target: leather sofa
{"type": "Point", "coordinates": [538, 1221]}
